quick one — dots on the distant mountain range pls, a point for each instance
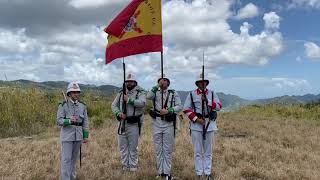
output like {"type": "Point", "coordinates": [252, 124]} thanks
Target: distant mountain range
{"type": "Point", "coordinates": [230, 102]}
{"type": "Point", "coordinates": [289, 100]}
{"type": "Point", "coordinates": [52, 85]}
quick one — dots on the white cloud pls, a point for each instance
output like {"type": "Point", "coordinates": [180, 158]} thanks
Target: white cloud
{"type": "Point", "coordinates": [206, 28]}
{"type": "Point", "coordinates": [48, 58]}
{"type": "Point", "coordinates": [76, 53]}
{"type": "Point", "coordinates": [16, 41]}
{"type": "Point", "coordinates": [263, 86]}
{"type": "Point", "coordinates": [249, 11]}
{"type": "Point", "coordinates": [272, 21]}
{"type": "Point", "coordinates": [236, 48]}
{"type": "Point", "coordinates": [312, 50]}
{"type": "Point", "coordinates": [304, 4]}
{"type": "Point", "coordinates": [93, 4]}
{"type": "Point", "coordinates": [197, 24]}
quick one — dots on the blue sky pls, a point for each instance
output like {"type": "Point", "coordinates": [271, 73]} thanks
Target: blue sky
{"type": "Point", "coordinates": [298, 26]}
{"type": "Point", "coordinates": [254, 49]}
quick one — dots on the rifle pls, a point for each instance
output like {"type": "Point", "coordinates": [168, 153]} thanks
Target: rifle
{"type": "Point", "coordinates": [204, 129]}
{"type": "Point", "coordinates": [122, 125]}
{"type": "Point", "coordinates": [205, 126]}
{"type": "Point", "coordinates": [65, 98]}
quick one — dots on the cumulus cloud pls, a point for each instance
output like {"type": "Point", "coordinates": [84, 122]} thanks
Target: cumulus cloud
{"type": "Point", "coordinates": [248, 11]}
{"type": "Point", "coordinates": [16, 41]}
{"type": "Point", "coordinates": [272, 21]}
{"type": "Point", "coordinates": [312, 50]}
{"type": "Point", "coordinates": [197, 24]}
{"type": "Point", "coordinates": [227, 48]}
{"type": "Point", "coordinates": [64, 40]}
{"type": "Point", "coordinates": [46, 17]}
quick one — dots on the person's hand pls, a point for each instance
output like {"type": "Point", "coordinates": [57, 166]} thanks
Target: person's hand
{"type": "Point", "coordinates": [125, 98]}
{"type": "Point", "coordinates": [200, 121]}
{"type": "Point", "coordinates": [73, 119]}
{"type": "Point", "coordinates": [123, 116]}
{"type": "Point", "coordinates": [164, 111]}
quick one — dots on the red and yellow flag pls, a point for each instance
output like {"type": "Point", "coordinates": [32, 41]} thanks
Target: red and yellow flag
{"type": "Point", "coordinates": [136, 30]}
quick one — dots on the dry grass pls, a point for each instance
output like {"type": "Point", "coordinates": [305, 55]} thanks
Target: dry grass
{"type": "Point", "coordinates": [248, 146]}
{"type": "Point", "coordinates": [30, 111]}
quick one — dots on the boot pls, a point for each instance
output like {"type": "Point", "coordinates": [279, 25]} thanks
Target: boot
{"type": "Point", "coordinates": [169, 177]}
{"type": "Point", "coordinates": [209, 177]}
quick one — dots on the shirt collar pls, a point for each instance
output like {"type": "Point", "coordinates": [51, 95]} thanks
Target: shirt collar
{"type": "Point", "coordinates": [73, 102]}
{"type": "Point", "coordinates": [132, 90]}
{"type": "Point", "coordinates": [164, 91]}
{"type": "Point", "coordinates": [198, 91]}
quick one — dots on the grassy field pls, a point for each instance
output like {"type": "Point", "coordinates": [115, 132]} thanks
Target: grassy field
{"type": "Point", "coordinates": [246, 147]}
{"type": "Point", "coordinates": [31, 111]}
{"type": "Point", "coordinates": [257, 142]}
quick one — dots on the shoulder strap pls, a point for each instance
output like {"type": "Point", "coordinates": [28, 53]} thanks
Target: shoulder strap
{"type": "Point", "coordinates": [207, 105]}
{"type": "Point", "coordinates": [173, 99]}
{"type": "Point", "coordinates": [121, 94]}
{"type": "Point", "coordinates": [62, 103]}
{"type": "Point", "coordinates": [134, 108]}
{"type": "Point", "coordinates": [192, 102]}
{"type": "Point", "coordinates": [154, 102]}
{"type": "Point", "coordinates": [82, 102]}
{"type": "Point", "coordinates": [212, 98]}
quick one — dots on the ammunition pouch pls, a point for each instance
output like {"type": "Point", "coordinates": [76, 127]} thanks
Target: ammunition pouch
{"type": "Point", "coordinates": [153, 113]}
{"type": "Point", "coordinates": [212, 115]}
{"type": "Point", "coordinates": [199, 115]}
{"type": "Point", "coordinates": [76, 123]}
{"type": "Point", "coordinates": [133, 119]}
{"type": "Point", "coordinates": [168, 117]}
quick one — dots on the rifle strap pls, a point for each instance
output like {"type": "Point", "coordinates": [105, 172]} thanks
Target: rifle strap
{"type": "Point", "coordinates": [173, 103]}
{"type": "Point", "coordinates": [167, 99]}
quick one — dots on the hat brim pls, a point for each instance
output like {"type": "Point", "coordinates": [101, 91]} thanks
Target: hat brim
{"type": "Point", "coordinates": [165, 79]}
{"type": "Point", "coordinates": [131, 81]}
{"type": "Point", "coordinates": [207, 81]}
{"type": "Point", "coordinates": [74, 90]}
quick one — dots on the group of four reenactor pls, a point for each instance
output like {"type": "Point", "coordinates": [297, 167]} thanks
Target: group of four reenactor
{"type": "Point", "coordinates": [201, 106]}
